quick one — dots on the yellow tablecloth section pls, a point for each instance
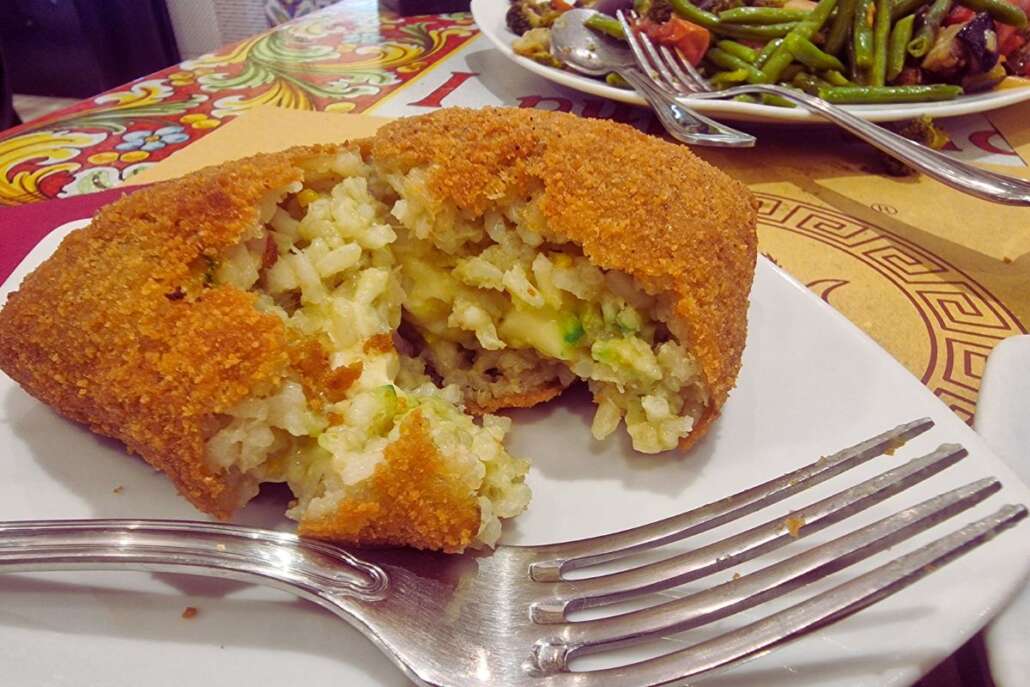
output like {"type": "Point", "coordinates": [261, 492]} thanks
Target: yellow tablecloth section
{"type": "Point", "coordinates": [936, 277]}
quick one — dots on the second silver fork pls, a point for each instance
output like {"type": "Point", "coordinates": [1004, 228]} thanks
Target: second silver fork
{"type": "Point", "coordinates": [504, 619]}
{"type": "Point", "coordinates": [588, 52]}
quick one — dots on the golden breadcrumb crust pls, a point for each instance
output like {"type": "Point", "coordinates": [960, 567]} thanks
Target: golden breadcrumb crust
{"type": "Point", "coordinates": [516, 399]}
{"type": "Point", "coordinates": [413, 498]}
{"type": "Point", "coordinates": [633, 202]}
{"type": "Point", "coordinates": [121, 330]}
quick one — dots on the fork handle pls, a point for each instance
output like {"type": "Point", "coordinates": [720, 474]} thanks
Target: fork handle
{"type": "Point", "coordinates": [960, 175]}
{"type": "Point", "coordinates": [682, 122]}
{"type": "Point", "coordinates": [312, 569]}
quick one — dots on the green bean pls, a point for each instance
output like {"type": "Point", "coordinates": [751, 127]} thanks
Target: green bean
{"type": "Point", "coordinates": [806, 52]}
{"type": "Point", "coordinates": [761, 15]}
{"type": "Point", "coordinates": [766, 51]}
{"type": "Point", "coordinates": [841, 27]}
{"type": "Point", "coordinates": [862, 33]}
{"type": "Point", "coordinates": [609, 26]}
{"type": "Point", "coordinates": [818, 17]}
{"type": "Point", "coordinates": [927, 33]}
{"type": "Point", "coordinates": [738, 50]}
{"type": "Point", "coordinates": [777, 100]}
{"type": "Point", "coordinates": [756, 32]}
{"type": "Point", "coordinates": [1001, 10]}
{"type": "Point", "coordinates": [766, 99]}
{"type": "Point", "coordinates": [901, 8]}
{"type": "Point", "coordinates": [781, 56]}
{"type": "Point", "coordinates": [613, 79]}
{"type": "Point", "coordinates": [890, 94]}
{"type": "Point", "coordinates": [835, 78]}
{"type": "Point", "coordinates": [695, 14]}
{"type": "Point", "coordinates": [721, 58]}
{"type": "Point", "coordinates": [881, 36]}
{"type": "Point", "coordinates": [809, 83]}
{"type": "Point", "coordinates": [900, 36]}
{"type": "Point", "coordinates": [730, 78]}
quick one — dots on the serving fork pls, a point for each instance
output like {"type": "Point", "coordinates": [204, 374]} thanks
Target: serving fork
{"type": "Point", "coordinates": [503, 618]}
{"type": "Point", "coordinates": [585, 51]}
{"type": "Point", "coordinates": [671, 73]}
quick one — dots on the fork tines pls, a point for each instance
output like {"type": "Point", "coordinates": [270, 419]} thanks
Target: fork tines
{"type": "Point", "coordinates": [581, 637]}
{"type": "Point", "coordinates": [666, 67]}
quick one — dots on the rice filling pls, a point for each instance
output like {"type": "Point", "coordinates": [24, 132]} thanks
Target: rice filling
{"type": "Point", "coordinates": [487, 308]}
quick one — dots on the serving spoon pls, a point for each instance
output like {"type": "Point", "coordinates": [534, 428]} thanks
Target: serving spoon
{"type": "Point", "coordinates": [594, 54]}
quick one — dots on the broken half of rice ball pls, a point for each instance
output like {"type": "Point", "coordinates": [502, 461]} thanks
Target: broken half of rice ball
{"type": "Point", "coordinates": [537, 249]}
{"type": "Point", "coordinates": [345, 319]}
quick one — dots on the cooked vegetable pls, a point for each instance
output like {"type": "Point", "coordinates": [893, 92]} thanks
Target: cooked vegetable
{"type": "Point", "coordinates": [609, 26]}
{"type": "Point", "coordinates": [841, 27]}
{"type": "Point", "coordinates": [901, 34]}
{"type": "Point", "coordinates": [862, 33]}
{"type": "Point", "coordinates": [890, 94]}
{"type": "Point", "coordinates": [656, 10]}
{"type": "Point", "coordinates": [757, 32]}
{"type": "Point", "coordinates": [761, 15]}
{"type": "Point", "coordinates": [835, 78]}
{"type": "Point", "coordinates": [947, 56]}
{"type": "Point", "coordinates": [881, 37]}
{"type": "Point", "coordinates": [809, 83]}
{"type": "Point", "coordinates": [927, 33]}
{"type": "Point", "coordinates": [1005, 12]}
{"type": "Point", "coordinates": [536, 45]}
{"type": "Point", "coordinates": [829, 44]}
{"type": "Point", "coordinates": [925, 131]}
{"type": "Point", "coordinates": [738, 50]}
{"type": "Point", "coordinates": [725, 60]}
{"type": "Point", "coordinates": [806, 52]}
{"type": "Point", "coordinates": [689, 38]}
{"type": "Point", "coordinates": [613, 79]}
{"type": "Point", "coordinates": [981, 44]}
{"type": "Point", "coordinates": [727, 79]}
{"type": "Point", "coordinates": [782, 56]}
{"type": "Point", "coordinates": [768, 50]}
{"type": "Point", "coordinates": [693, 13]}
{"type": "Point", "coordinates": [901, 8]}
{"type": "Point", "coordinates": [525, 15]}
{"type": "Point", "coordinates": [922, 130]}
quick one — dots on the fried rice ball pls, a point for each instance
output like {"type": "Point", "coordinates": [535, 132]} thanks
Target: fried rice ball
{"type": "Point", "coordinates": [333, 317]}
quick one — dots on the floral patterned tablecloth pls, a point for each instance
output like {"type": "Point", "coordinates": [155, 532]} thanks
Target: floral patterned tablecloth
{"type": "Point", "coordinates": [342, 60]}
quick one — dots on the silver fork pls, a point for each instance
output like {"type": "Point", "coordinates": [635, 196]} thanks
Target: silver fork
{"type": "Point", "coordinates": [671, 72]}
{"type": "Point", "coordinates": [503, 618]}
{"type": "Point", "coordinates": [588, 52]}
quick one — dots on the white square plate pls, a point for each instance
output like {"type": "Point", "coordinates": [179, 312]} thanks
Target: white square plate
{"type": "Point", "coordinates": [811, 384]}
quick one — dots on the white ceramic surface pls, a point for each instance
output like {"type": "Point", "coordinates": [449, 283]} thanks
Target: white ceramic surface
{"type": "Point", "coordinates": [1003, 419]}
{"type": "Point", "coordinates": [811, 383]}
{"type": "Point", "coordinates": [489, 16]}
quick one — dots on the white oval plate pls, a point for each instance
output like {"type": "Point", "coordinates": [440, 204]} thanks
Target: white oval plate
{"type": "Point", "coordinates": [489, 16]}
{"type": "Point", "coordinates": [811, 383]}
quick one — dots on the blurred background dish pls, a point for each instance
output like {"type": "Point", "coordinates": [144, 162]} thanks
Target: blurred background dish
{"type": "Point", "coordinates": [490, 17]}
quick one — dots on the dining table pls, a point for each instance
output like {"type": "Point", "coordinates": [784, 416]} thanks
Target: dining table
{"type": "Point", "coordinates": [935, 277]}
